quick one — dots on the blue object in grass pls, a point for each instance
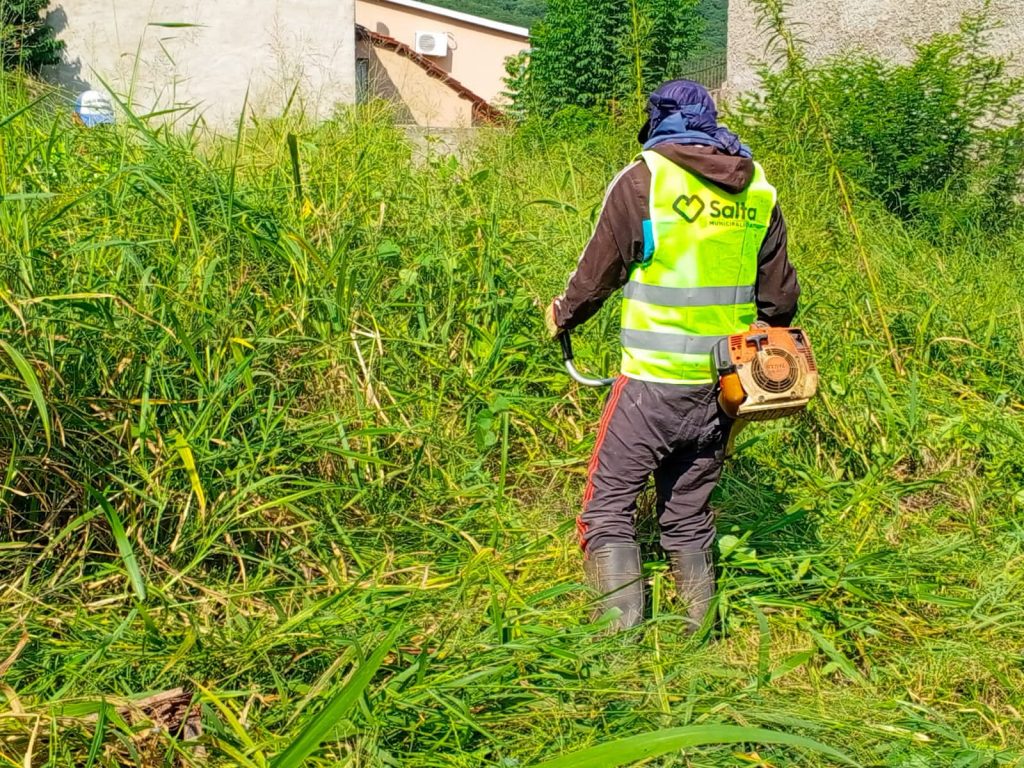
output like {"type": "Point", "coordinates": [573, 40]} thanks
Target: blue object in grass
{"type": "Point", "coordinates": [94, 108]}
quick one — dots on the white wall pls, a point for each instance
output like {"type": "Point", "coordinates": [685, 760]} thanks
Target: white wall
{"type": "Point", "coordinates": [887, 28]}
{"type": "Point", "coordinates": [267, 46]}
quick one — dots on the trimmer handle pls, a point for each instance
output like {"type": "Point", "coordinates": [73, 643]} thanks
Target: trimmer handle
{"type": "Point", "coordinates": [566, 341]}
{"type": "Point", "coordinates": [758, 340]}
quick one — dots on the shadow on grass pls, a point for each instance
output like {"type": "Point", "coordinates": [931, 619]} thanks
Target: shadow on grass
{"type": "Point", "coordinates": [746, 506]}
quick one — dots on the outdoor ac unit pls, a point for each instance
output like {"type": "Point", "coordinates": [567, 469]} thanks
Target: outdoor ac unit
{"type": "Point", "coordinates": [431, 43]}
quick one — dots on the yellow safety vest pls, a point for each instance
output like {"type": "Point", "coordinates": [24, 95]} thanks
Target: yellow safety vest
{"type": "Point", "coordinates": [696, 283]}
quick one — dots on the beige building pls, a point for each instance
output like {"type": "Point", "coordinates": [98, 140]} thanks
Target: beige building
{"type": "Point", "coordinates": [444, 68]}
{"type": "Point", "coordinates": [422, 92]}
{"type": "Point", "coordinates": [888, 28]}
{"type": "Point", "coordinates": [210, 57]}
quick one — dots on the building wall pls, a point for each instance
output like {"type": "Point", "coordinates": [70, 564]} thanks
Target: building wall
{"type": "Point", "coordinates": [266, 46]}
{"type": "Point", "coordinates": [418, 97]}
{"type": "Point", "coordinates": [476, 55]}
{"type": "Point", "coordinates": [888, 28]}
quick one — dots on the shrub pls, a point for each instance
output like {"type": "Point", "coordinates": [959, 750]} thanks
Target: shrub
{"type": "Point", "coordinates": [25, 40]}
{"type": "Point", "coordinates": [593, 54]}
{"type": "Point", "coordinates": [935, 139]}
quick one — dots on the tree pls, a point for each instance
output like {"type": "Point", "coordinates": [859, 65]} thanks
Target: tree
{"type": "Point", "coordinates": [25, 40]}
{"type": "Point", "coordinates": [592, 54]}
{"type": "Point", "coordinates": [525, 13]}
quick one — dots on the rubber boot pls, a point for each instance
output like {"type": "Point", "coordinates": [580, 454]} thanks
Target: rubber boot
{"type": "Point", "coordinates": [614, 572]}
{"type": "Point", "coordinates": [694, 573]}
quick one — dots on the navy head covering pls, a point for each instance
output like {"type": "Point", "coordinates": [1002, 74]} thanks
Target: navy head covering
{"type": "Point", "coordinates": [683, 112]}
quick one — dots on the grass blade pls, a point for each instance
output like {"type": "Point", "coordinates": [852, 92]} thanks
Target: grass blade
{"type": "Point", "coordinates": [31, 381]}
{"type": "Point", "coordinates": [123, 545]}
{"type": "Point", "coordinates": [19, 112]}
{"type": "Point", "coordinates": [97, 740]}
{"type": "Point", "coordinates": [647, 745]}
{"type": "Point", "coordinates": [320, 726]}
{"type": "Point", "coordinates": [188, 460]}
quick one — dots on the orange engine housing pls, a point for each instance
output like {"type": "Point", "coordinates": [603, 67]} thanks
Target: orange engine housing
{"type": "Point", "coordinates": [765, 373]}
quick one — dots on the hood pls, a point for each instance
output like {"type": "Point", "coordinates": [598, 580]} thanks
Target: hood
{"type": "Point", "coordinates": [730, 172]}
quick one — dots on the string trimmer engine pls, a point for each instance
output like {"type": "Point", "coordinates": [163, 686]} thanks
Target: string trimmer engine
{"type": "Point", "coordinates": [765, 373]}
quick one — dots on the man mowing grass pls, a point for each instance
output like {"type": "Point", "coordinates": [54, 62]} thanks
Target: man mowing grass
{"type": "Point", "coordinates": [693, 234]}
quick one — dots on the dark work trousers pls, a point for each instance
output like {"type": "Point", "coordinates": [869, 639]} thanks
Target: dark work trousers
{"type": "Point", "coordinates": [675, 432]}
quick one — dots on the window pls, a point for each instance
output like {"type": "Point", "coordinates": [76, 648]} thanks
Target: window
{"type": "Point", "coordinates": [362, 80]}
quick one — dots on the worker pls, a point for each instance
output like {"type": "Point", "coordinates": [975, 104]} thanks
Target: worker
{"type": "Point", "coordinates": [693, 234]}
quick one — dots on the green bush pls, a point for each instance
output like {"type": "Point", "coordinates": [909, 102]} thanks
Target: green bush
{"type": "Point", "coordinates": [598, 54]}
{"type": "Point", "coordinates": [25, 40]}
{"type": "Point", "coordinates": [937, 139]}
{"type": "Point", "coordinates": [525, 13]}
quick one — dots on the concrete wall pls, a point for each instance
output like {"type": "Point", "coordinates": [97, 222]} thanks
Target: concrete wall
{"type": "Point", "coordinates": [419, 98]}
{"type": "Point", "coordinates": [888, 28]}
{"type": "Point", "coordinates": [476, 55]}
{"type": "Point", "coordinates": [267, 46]}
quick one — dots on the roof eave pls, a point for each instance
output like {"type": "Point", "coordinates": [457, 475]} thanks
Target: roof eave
{"type": "Point", "coordinates": [468, 18]}
{"type": "Point", "coordinates": [482, 109]}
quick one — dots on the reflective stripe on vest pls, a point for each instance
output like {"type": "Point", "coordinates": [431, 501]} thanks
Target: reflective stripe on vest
{"type": "Point", "coordinates": [688, 297]}
{"type": "Point", "coordinates": [668, 342]}
{"type": "Point", "coordinates": [698, 284]}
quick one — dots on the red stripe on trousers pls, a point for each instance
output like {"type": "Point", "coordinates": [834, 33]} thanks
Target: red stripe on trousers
{"type": "Point", "coordinates": [602, 431]}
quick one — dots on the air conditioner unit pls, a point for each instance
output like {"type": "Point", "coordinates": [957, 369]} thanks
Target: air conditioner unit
{"type": "Point", "coordinates": [431, 43]}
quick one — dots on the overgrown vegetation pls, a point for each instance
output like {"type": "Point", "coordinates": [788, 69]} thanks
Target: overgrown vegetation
{"type": "Point", "coordinates": [939, 140]}
{"type": "Point", "coordinates": [525, 13]}
{"type": "Point", "coordinates": [25, 40]}
{"type": "Point", "coordinates": [601, 56]}
{"type": "Point", "coordinates": [716, 21]}
{"type": "Point", "coordinates": [312, 460]}
{"type": "Point", "coordinates": [528, 13]}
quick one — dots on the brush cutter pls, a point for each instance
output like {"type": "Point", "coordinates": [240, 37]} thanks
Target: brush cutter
{"type": "Point", "coordinates": [764, 373]}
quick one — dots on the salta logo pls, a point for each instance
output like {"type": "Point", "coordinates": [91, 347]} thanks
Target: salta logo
{"type": "Point", "coordinates": [689, 207]}
{"type": "Point", "coordinates": [692, 206]}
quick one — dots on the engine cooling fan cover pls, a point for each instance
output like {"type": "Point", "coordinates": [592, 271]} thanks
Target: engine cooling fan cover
{"type": "Point", "coordinates": [765, 373]}
{"type": "Point", "coordinates": [775, 370]}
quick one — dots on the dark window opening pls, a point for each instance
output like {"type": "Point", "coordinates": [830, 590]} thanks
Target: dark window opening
{"type": "Point", "coordinates": [362, 80]}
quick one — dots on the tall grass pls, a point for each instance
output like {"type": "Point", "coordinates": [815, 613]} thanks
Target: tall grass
{"type": "Point", "coordinates": [313, 460]}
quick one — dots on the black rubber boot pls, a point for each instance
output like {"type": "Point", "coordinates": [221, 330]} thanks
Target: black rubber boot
{"type": "Point", "coordinates": [694, 573]}
{"type": "Point", "coordinates": [614, 572]}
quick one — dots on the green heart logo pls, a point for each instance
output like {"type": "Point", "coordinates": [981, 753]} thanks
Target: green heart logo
{"type": "Point", "coordinates": [689, 207]}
